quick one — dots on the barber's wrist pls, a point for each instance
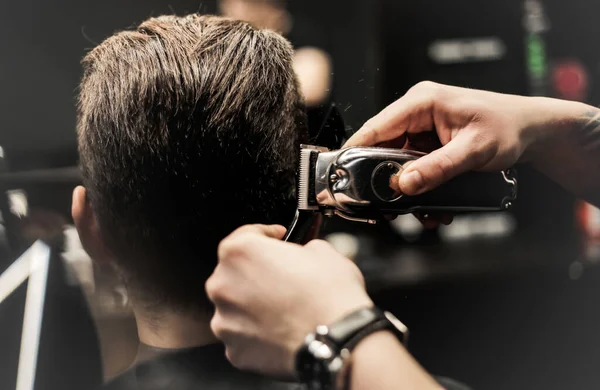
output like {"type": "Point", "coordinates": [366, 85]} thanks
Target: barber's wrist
{"type": "Point", "coordinates": [327, 313]}
{"type": "Point", "coordinates": [374, 340]}
{"type": "Point", "coordinates": [339, 309]}
{"type": "Point", "coordinates": [548, 123]}
{"type": "Point", "coordinates": [382, 352]}
{"type": "Point", "coordinates": [324, 360]}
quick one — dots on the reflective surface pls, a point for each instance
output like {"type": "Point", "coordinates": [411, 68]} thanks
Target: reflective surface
{"type": "Point", "coordinates": [359, 184]}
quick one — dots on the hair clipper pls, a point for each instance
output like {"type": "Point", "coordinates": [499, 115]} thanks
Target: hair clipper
{"type": "Point", "coordinates": [359, 184]}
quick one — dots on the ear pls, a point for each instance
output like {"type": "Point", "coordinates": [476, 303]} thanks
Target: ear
{"type": "Point", "coordinates": [87, 227]}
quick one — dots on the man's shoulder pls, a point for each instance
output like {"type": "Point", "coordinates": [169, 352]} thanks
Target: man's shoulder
{"type": "Point", "coordinates": [206, 368]}
{"type": "Point", "coordinates": [194, 369]}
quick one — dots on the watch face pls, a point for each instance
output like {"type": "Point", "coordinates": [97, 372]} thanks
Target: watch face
{"type": "Point", "coordinates": [312, 364]}
{"type": "Point", "coordinates": [304, 363]}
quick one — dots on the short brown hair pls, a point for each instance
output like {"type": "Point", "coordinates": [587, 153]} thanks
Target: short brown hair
{"type": "Point", "coordinates": [188, 127]}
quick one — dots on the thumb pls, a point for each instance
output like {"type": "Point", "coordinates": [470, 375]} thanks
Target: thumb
{"type": "Point", "coordinates": [458, 156]}
{"type": "Point", "coordinates": [272, 231]}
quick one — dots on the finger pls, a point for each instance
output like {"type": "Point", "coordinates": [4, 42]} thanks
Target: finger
{"type": "Point", "coordinates": [433, 220]}
{"type": "Point", "coordinates": [394, 183]}
{"type": "Point", "coordinates": [460, 155]}
{"type": "Point", "coordinates": [446, 219]}
{"type": "Point", "coordinates": [428, 221]}
{"type": "Point", "coordinates": [411, 113]}
{"type": "Point", "coordinates": [397, 143]}
{"type": "Point", "coordinates": [221, 326]}
{"type": "Point", "coordinates": [248, 241]}
{"type": "Point", "coordinates": [272, 231]}
{"type": "Point", "coordinates": [217, 286]}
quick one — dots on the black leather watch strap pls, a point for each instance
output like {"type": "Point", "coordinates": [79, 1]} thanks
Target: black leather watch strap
{"type": "Point", "coordinates": [350, 330]}
{"type": "Point", "coordinates": [344, 330]}
{"type": "Point", "coordinates": [324, 359]}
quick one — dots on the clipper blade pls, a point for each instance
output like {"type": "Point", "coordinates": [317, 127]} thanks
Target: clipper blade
{"type": "Point", "coordinates": [306, 179]}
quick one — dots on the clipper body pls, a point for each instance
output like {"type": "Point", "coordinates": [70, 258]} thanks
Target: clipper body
{"type": "Point", "coordinates": [359, 184]}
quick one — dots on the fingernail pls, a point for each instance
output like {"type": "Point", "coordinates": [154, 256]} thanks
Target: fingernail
{"type": "Point", "coordinates": [411, 183]}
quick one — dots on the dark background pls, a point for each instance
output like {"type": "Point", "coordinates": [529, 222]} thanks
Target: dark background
{"type": "Point", "coordinates": [496, 314]}
{"type": "Point", "coordinates": [505, 314]}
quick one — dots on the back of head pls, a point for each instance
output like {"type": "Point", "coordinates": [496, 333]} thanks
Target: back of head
{"type": "Point", "coordinates": [188, 128]}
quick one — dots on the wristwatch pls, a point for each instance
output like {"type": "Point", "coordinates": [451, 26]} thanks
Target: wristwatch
{"type": "Point", "coordinates": [323, 361]}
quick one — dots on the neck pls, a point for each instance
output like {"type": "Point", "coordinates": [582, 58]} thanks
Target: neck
{"type": "Point", "coordinates": [174, 330]}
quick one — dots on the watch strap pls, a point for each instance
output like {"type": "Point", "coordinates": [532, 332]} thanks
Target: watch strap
{"type": "Point", "coordinates": [352, 325]}
{"type": "Point", "coordinates": [322, 361]}
{"type": "Point", "coordinates": [350, 330]}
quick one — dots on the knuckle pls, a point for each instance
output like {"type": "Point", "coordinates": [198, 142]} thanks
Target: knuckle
{"type": "Point", "coordinates": [223, 329]}
{"type": "Point", "coordinates": [231, 356]}
{"type": "Point", "coordinates": [371, 132]}
{"type": "Point", "coordinates": [235, 358]}
{"type": "Point", "coordinates": [217, 325]}
{"type": "Point", "coordinates": [214, 288]}
{"type": "Point", "coordinates": [369, 125]}
{"type": "Point", "coordinates": [252, 228]}
{"type": "Point", "coordinates": [361, 280]}
{"type": "Point", "coordinates": [426, 94]}
{"type": "Point", "coordinates": [243, 229]}
{"type": "Point", "coordinates": [225, 248]}
{"type": "Point", "coordinates": [319, 245]}
{"type": "Point", "coordinates": [241, 232]}
{"type": "Point", "coordinates": [244, 243]}
{"type": "Point", "coordinates": [426, 87]}
{"type": "Point", "coordinates": [477, 115]}
{"type": "Point", "coordinates": [359, 275]}
{"type": "Point", "coordinates": [234, 246]}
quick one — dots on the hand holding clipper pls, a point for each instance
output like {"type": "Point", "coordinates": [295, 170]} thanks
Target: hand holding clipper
{"type": "Point", "coordinates": [359, 184]}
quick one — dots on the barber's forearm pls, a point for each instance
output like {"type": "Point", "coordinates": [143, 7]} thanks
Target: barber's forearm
{"type": "Point", "coordinates": [380, 362]}
{"type": "Point", "coordinates": [568, 146]}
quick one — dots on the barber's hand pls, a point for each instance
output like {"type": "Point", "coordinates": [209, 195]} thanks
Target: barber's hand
{"type": "Point", "coordinates": [479, 130]}
{"type": "Point", "coordinates": [270, 294]}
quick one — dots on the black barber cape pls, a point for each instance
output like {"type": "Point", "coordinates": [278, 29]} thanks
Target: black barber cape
{"type": "Point", "coordinates": [199, 368]}
{"type": "Point", "coordinates": [202, 368]}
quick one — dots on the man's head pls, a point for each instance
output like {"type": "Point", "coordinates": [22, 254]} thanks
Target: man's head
{"type": "Point", "coordinates": [188, 128]}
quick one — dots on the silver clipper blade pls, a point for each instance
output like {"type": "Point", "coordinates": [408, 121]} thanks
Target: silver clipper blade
{"type": "Point", "coordinates": [306, 213]}
{"type": "Point", "coordinates": [307, 199]}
